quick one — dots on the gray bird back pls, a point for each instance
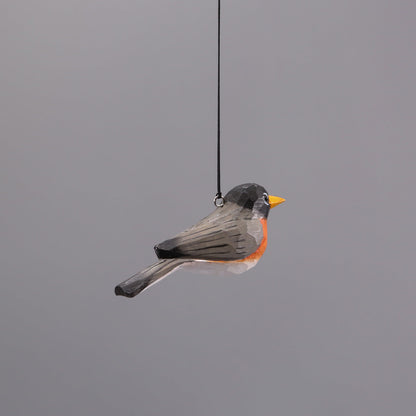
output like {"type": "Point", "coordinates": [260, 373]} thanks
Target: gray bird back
{"type": "Point", "coordinates": [228, 233]}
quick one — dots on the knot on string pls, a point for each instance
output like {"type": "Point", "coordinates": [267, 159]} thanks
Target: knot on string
{"type": "Point", "coordinates": [219, 200]}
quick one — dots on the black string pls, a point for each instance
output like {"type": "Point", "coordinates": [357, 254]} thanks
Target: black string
{"type": "Point", "coordinates": [219, 194]}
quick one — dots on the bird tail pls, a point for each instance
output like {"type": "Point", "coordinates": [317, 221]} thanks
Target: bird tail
{"type": "Point", "coordinates": [140, 281]}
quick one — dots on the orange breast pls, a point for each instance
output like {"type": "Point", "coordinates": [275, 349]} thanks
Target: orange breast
{"type": "Point", "coordinates": [262, 247]}
{"type": "Point", "coordinates": [258, 253]}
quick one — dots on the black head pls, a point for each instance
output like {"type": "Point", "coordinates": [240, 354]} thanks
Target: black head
{"type": "Point", "coordinates": [253, 197]}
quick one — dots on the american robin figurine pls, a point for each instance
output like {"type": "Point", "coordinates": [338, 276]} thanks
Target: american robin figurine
{"type": "Point", "coordinates": [229, 240]}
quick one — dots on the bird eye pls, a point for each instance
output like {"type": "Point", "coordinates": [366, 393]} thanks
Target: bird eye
{"type": "Point", "coordinates": [266, 199]}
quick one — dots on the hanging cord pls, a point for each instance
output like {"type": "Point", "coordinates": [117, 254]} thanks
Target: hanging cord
{"type": "Point", "coordinates": [219, 200]}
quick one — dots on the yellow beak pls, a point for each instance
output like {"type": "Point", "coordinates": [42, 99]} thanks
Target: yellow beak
{"type": "Point", "coordinates": [275, 200]}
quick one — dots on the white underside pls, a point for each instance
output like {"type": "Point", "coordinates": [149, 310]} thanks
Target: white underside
{"type": "Point", "coordinates": [210, 267]}
{"type": "Point", "coordinates": [219, 268]}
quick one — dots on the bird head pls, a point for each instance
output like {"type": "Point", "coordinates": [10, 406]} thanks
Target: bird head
{"type": "Point", "coordinates": [254, 198]}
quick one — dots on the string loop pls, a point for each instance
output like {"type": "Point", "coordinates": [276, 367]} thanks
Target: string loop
{"type": "Point", "coordinates": [219, 200]}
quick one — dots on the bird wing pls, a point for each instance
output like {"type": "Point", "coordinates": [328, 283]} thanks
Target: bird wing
{"type": "Point", "coordinates": [229, 233]}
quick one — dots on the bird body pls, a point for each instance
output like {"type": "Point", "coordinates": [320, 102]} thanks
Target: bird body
{"type": "Point", "coordinates": [231, 239]}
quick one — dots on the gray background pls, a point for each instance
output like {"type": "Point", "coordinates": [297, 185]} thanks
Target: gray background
{"type": "Point", "coordinates": [108, 147]}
